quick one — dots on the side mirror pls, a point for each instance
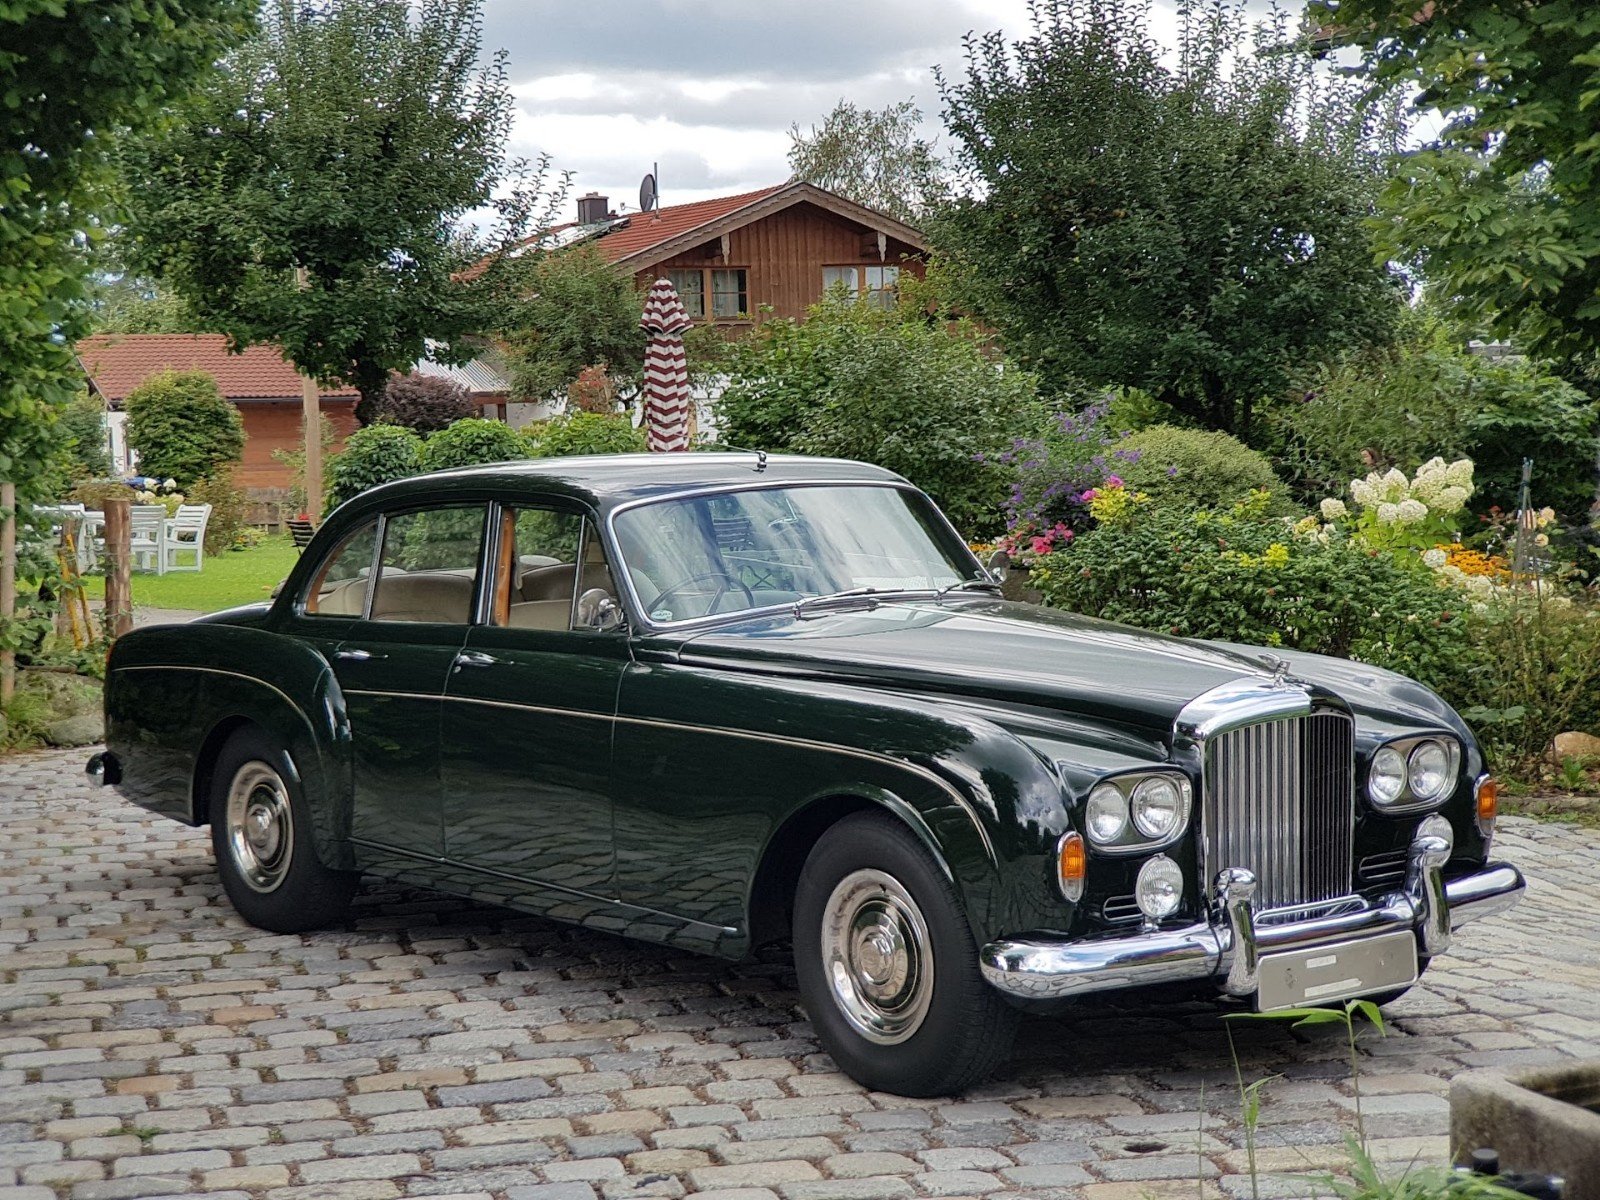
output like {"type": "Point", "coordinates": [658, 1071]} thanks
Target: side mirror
{"type": "Point", "coordinates": [598, 610]}
{"type": "Point", "coordinates": [999, 565]}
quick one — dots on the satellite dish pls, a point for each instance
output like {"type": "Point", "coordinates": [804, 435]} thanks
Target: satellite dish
{"type": "Point", "coordinates": [647, 193]}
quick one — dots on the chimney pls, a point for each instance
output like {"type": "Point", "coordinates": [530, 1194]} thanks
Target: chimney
{"type": "Point", "coordinates": [592, 208]}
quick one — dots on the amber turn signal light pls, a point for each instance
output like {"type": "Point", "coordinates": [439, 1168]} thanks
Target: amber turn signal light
{"type": "Point", "coordinates": [1488, 797]}
{"type": "Point", "coordinates": [1072, 863]}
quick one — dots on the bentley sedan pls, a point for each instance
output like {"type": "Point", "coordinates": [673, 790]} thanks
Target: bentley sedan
{"type": "Point", "coordinates": [724, 700]}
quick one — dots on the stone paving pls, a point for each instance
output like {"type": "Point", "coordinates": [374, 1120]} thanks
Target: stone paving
{"type": "Point", "coordinates": [152, 1044]}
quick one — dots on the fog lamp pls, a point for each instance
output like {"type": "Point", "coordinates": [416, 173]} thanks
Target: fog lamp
{"type": "Point", "coordinates": [1159, 889]}
{"type": "Point", "coordinates": [1436, 826]}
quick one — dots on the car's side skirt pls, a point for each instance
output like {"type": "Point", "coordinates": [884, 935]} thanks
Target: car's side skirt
{"type": "Point", "coordinates": [550, 900]}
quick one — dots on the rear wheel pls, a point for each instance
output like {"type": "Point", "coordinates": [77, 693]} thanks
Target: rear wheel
{"type": "Point", "coordinates": [261, 835]}
{"type": "Point", "coordinates": [887, 965]}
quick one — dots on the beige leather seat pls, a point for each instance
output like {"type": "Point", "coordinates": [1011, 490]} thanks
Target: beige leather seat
{"type": "Point", "coordinates": [548, 583]}
{"type": "Point", "coordinates": [541, 614]}
{"type": "Point", "coordinates": [439, 598]}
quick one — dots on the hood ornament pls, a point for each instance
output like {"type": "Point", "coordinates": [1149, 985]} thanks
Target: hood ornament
{"type": "Point", "coordinates": [1279, 668]}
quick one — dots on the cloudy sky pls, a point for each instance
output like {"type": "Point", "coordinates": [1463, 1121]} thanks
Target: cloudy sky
{"type": "Point", "coordinates": [709, 88]}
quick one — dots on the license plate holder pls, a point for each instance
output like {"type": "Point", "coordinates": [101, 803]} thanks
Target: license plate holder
{"type": "Point", "coordinates": [1337, 971]}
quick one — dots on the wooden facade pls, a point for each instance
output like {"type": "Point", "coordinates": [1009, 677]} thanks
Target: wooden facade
{"type": "Point", "coordinates": [784, 255]}
{"type": "Point", "coordinates": [273, 425]}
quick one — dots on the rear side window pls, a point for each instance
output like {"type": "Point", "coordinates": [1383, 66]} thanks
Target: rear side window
{"type": "Point", "coordinates": [339, 587]}
{"type": "Point", "coordinates": [428, 571]}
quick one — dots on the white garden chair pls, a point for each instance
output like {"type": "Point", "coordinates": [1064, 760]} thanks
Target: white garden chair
{"type": "Point", "coordinates": [147, 525]}
{"type": "Point", "coordinates": [185, 533]}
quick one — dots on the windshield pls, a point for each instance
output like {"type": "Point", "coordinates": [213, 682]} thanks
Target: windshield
{"type": "Point", "coordinates": [732, 551]}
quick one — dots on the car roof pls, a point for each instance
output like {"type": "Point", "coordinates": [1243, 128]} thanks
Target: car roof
{"type": "Point", "coordinates": [607, 481]}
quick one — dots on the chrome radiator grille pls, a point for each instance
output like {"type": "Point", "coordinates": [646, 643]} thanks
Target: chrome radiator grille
{"type": "Point", "coordinates": [1279, 800]}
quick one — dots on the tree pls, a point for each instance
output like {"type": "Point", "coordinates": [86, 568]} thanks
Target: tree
{"type": "Point", "coordinates": [182, 427]}
{"type": "Point", "coordinates": [74, 78]}
{"type": "Point", "coordinates": [573, 310]}
{"type": "Point", "coordinates": [1194, 230]}
{"type": "Point", "coordinates": [310, 194]}
{"type": "Point", "coordinates": [887, 387]}
{"type": "Point", "coordinates": [1503, 206]}
{"type": "Point", "coordinates": [878, 159]}
{"type": "Point", "coordinates": [424, 402]}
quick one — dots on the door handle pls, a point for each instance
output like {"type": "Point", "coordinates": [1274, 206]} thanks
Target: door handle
{"type": "Point", "coordinates": [358, 655]}
{"type": "Point", "coordinates": [475, 658]}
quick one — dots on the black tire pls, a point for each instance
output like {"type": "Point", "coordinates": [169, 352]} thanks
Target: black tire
{"type": "Point", "coordinates": [945, 1028]}
{"type": "Point", "coordinates": [261, 836]}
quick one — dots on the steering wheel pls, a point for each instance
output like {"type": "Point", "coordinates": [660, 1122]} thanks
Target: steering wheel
{"type": "Point", "coordinates": [716, 597]}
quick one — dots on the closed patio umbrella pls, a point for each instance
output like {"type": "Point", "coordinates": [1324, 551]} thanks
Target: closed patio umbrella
{"type": "Point", "coordinates": [666, 371]}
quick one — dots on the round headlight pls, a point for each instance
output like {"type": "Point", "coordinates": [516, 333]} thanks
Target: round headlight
{"type": "Point", "coordinates": [1159, 889]}
{"type": "Point", "coordinates": [1428, 771]}
{"type": "Point", "coordinates": [1160, 807]}
{"type": "Point", "coordinates": [1106, 815]}
{"type": "Point", "coordinates": [1387, 778]}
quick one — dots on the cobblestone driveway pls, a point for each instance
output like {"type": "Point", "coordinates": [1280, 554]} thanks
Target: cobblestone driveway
{"type": "Point", "coordinates": [153, 1044]}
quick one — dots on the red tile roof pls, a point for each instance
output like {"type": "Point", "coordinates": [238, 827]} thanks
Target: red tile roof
{"type": "Point", "coordinates": [645, 230]}
{"type": "Point", "coordinates": [119, 362]}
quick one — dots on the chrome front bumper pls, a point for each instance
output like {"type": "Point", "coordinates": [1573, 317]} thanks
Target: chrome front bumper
{"type": "Point", "coordinates": [1229, 945]}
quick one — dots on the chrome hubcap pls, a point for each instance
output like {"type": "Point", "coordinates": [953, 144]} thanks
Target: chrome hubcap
{"type": "Point", "coordinates": [878, 956]}
{"type": "Point", "coordinates": [260, 826]}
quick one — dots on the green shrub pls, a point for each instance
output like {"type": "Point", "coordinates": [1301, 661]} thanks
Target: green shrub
{"type": "Point", "coordinates": [586, 433]}
{"type": "Point", "coordinates": [182, 427]}
{"type": "Point", "coordinates": [1194, 468]}
{"type": "Point", "coordinates": [374, 455]}
{"type": "Point", "coordinates": [226, 528]}
{"type": "Point", "coordinates": [473, 442]}
{"type": "Point", "coordinates": [1245, 576]}
{"type": "Point", "coordinates": [888, 388]}
{"type": "Point", "coordinates": [1429, 396]}
{"type": "Point", "coordinates": [83, 422]}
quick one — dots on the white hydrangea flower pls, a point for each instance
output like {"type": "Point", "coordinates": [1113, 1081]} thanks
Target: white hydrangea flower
{"type": "Point", "coordinates": [1363, 492]}
{"type": "Point", "coordinates": [1388, 514]}
{"type": "Point", "coordinates": [1451, 499]}
{"type": "Point", "coordinates": [1395, 484]}
{"type": "Point", "coordinates": [1435, 558]}
{"type": "Point", "coordinates": [1411, 511]}
{"type": "Point", "coordinates": [1333, 509]}
{"type": "Point", "coordinates": [1459, 473]}
{"type": "Point", "coordinates": [1480, 585]}
{"type": "Point", "coordinates": [1427, 487]}
{"type": "Point", "coordinates": [1434, 466]}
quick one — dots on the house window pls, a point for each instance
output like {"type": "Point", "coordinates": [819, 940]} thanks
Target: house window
{"type": "Point", "coordinates": [879, 284]}
{"type": "Point", "coordinates": [729, 296]}
{"type": "Point", "coordinates": [728, 288]}
{"type": "Point", "coordinates": [691, 287]}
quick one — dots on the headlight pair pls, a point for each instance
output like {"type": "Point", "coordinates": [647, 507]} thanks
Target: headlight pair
{"type": "Point", "coordinates": [1413, 773]}
{"type": "Point", "coordinates": [1133, 813]}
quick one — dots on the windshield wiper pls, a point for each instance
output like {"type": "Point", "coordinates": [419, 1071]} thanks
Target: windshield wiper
{"type": "Point", "coordinates": [867, 595]}
{"type": "Point", "coordinates": [968, 585]}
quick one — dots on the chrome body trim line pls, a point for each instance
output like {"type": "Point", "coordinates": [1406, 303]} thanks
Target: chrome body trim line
{"type": "Point", "coordinates": [1045, 969]}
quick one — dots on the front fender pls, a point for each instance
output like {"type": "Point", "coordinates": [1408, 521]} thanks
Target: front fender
{"type": "Point", "coordinates": [174, 694]}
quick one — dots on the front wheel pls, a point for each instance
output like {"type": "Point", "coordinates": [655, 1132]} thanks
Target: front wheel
{"type": "Point", "coordinates": [887, 965]}
{"type": "Point", "coordinates": [261, 835]}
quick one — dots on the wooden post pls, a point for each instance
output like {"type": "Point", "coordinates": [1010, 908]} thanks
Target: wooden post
{"type": "Point", "coordinates": [8, 584]}
{"type": "Point", "coordinates": [310, 403]}
{"type": "Point", "coordinates": [119, 566]}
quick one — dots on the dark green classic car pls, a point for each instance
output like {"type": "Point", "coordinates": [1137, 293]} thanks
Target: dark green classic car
{"type": "Point", "coordinates": [721, 700]}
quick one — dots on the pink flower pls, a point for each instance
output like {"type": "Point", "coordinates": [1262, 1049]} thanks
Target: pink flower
{"type": "Point", "coordinates": [1066, 535]}
{"type": "Point", "coordinates": [1041, 545]}
{"type": "Point", "coordinates": [1113, 481]}
{"type": "Point", "coordinates": [1091, 494]}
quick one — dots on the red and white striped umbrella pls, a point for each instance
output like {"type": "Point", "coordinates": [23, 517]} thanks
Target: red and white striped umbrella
{"type": "Point", "coordinates": [666, 372]}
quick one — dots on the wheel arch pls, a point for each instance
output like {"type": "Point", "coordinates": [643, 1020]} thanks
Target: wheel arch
{"type": "Point", "coordinates": [772, 889]}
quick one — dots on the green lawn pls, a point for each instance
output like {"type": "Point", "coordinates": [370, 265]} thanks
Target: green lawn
{"type": "Point", "coordinates": [233, 577]}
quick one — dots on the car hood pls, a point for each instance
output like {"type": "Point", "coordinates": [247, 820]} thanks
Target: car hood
{"type": "Point", "coordinates": [1043, 658]}
{"type": "Point", "coordinates": [1012, 653]}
